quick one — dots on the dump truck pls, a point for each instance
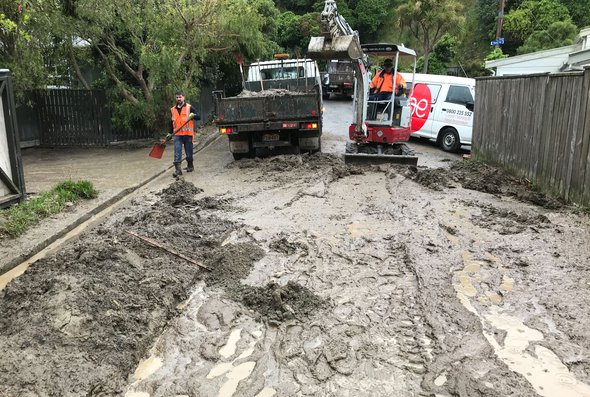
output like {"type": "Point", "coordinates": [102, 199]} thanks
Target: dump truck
{"type": "Point", "coordinates": [339, 79]}
{"type": "Point", "coordinates": [279, 108]}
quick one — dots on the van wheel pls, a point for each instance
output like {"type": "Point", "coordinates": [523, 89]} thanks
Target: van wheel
{"type": "Point", "coordinates": [448, 140]}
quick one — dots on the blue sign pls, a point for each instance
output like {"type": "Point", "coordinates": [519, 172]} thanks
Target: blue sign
{"type": "Point", "coordinates": [500, 41]}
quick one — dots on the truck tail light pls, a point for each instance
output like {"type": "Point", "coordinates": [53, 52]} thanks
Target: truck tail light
{"type": "Point", "coordinates": [228, 130]}
{"type": "Point", "coordinates": [309, 126]}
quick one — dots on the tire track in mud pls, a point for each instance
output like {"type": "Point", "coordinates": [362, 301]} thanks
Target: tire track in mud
{"type": "Point", "coordinates": [484, 287]}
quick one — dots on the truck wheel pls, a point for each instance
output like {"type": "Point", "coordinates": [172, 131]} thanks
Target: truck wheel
{"type": "Point", "coordinates": [448, 140]}
{"type": "Point", "coordinates": [326, 95]}
{"type": "Point", "coordinates": [319, 149]}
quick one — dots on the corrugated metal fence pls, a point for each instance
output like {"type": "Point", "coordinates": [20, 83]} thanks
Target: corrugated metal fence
{"type": "Point", "coordinates": [538, 126]}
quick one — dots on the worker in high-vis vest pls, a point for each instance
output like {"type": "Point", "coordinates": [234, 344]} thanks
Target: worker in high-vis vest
{"type": "Point", "coordinates": [382, 86]}
{"type": "Point", "coordinates": [183, 128]}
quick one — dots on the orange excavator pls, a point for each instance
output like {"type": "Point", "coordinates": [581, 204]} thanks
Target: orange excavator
{"type": "Point", "coordinates": [380, 127]}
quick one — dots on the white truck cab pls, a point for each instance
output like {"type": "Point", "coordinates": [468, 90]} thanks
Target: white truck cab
{"type": "Point", "coordinates": [440, 109]}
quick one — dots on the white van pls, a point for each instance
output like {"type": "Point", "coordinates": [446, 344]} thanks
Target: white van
{"type": "Point", "coordinates": [439, 109]}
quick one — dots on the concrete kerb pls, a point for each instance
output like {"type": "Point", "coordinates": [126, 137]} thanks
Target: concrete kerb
{"type": "Point", "coordinates": [17, 260]}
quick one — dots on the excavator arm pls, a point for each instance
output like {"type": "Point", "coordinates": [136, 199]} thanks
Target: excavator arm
{"type": "Point", "coordinates": [339, 41]}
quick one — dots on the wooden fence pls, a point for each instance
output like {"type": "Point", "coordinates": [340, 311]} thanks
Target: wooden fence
{"type": "Point", "coordinates": [537, 126]}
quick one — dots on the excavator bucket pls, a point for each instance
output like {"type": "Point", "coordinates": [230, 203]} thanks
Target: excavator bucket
{"type": "Point", "coordinates": [339, 47]}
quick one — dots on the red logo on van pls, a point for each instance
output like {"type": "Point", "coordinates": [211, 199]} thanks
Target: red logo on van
{"type": "Point", "coordinates": [420, 103]}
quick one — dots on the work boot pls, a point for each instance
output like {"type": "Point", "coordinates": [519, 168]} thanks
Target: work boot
{"type": "Point", "coordinates": [189, 167]}
{"type": "Point", "coordinates": [177, 170]}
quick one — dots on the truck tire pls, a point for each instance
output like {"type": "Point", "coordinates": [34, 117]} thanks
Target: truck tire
{"type": "Point", "coordinates": [448, 140]}
{"type": "Point", "coordinates": [319, 149]}
{"type": "Point", "coordinates": [326, 96]}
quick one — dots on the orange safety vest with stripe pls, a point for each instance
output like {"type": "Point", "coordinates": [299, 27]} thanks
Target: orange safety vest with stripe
{"type": "Point", "coordinates": [178, 119]}
{"type": "Point", "coordinates": [383, 82]}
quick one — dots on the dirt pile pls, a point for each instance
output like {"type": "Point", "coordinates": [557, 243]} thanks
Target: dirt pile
{"type": "Point", "coordinates": [231, 263]}
{"type": "Point", "coordinates": [286, 168]}
{"type": "Point", "coordinates": [277, 303]}
{"type": "Point", "coordinates": [478, 176]}
{"type": "Point", "coordinates": [509, 222]}
{"type": "Point", "coordinates": [286, 246]}
{"type": "Point", "coordinates": [273, 92]}
{"type": "Point", "coordinates": [179, 193]}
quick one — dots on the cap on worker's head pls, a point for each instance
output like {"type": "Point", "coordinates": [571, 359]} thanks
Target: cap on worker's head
{"type": "Point", "coordinates": [179, 92]}
{"type": "Point", "coordinates": [388, 62]}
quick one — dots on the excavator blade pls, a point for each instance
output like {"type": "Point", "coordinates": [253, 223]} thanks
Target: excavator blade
{"type": "Point", "coordinates": [363, 158]}
{"type": "Point", "coordinates": [340, 47]}
{"type": "Point", "coordinates": [370, 153]}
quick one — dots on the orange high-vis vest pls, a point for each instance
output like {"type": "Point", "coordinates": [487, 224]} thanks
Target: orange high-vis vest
{"type": "Point", "coordinates": [383, 82]}
{"type": "Point", "coordinates": [179, 119]}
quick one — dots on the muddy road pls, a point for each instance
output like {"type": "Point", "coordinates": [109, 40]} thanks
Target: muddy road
{"type": "Point", "coordinates": [450, 279]}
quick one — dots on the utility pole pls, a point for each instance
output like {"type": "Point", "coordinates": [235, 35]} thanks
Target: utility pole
{"type": "Point", "coordinates": [500, 41]}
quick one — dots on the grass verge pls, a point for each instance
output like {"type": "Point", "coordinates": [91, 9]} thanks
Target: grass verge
{"type": "Point", "coordinates": [17, 219]}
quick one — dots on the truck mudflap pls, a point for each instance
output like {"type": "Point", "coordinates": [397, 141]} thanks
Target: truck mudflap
{"type": "Point", "coordinates": [370, 153]}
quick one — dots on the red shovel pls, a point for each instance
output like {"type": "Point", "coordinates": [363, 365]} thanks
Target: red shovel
{"type": "Point", "coordinates": [158, 149]}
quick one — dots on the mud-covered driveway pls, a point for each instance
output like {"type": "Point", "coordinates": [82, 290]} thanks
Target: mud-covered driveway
{"type": "Point", "coordinates": [323, 280]}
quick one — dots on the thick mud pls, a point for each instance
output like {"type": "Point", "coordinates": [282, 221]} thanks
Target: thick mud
{"type": "Point", "coordinates": [483, 178]}
{"type": "Point", "coordinates": [87, 315]}
{"type": "Point", "coordinates": [324, 280]}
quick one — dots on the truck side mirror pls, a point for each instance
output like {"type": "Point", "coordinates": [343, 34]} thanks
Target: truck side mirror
{"type": "Point", "coordinates": [470, 106]}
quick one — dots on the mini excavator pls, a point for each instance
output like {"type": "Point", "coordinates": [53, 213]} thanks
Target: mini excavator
{"type": "Point", "coordinates": [379, 128]}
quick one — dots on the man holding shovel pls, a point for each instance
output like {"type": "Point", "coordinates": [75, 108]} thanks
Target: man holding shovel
{"type": "Point", "coordinates": [182, 127]}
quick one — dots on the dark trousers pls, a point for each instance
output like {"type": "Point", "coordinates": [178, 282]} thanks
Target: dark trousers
{"type": "Point", "coordinates": [179, 142]}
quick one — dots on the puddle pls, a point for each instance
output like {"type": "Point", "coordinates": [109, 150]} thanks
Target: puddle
{"type": "Point", "coordinates": [267, 392]}
{"type": "Point", "coordinates": [147, 367]}
{"type": "Point", "coordinates": [234, 377]}
{"type": "Point", "coordinates": [543, 369]}
{"type": "Point", "coordinates": [357, 229]}
{"type": "Point", "coordinates": [137, 394]}
{"type": "Point", "coordinates": [230, 347]}
{"type": "Point", "coordinates": [441, 380]}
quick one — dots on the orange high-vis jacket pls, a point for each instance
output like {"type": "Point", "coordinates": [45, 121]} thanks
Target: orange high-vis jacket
{"type": "Point", "coordinates": [383, 82]}
{"type": "Point", "coordinates": [179, 119]}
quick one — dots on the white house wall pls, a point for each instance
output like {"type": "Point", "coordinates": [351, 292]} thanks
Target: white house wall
{"type": "Point", "coordinates": [550, 64]}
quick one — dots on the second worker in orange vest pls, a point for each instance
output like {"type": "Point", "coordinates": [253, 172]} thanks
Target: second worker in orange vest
{"type": "Point", "coordinates": [382, 84]}
{"type": "Point", "coordinates": [183, 128]}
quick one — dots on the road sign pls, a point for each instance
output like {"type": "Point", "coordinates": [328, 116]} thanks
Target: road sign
{"type": "Point", "coordinates": [498, 42]}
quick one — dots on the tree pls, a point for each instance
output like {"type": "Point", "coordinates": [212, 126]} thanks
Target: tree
{"type": "Point", "coordinates": [22, 44]}
{"type": "Point", "coordinates": [535, 15]}
{"type": "Point", "coordinates": [428, 20]}
{"type": "Point", "coordinates": [558, 34]}
{"type": "Point", "coordinates": [149, 48]}
{"type": "Point", "coordinates": [371, 16]}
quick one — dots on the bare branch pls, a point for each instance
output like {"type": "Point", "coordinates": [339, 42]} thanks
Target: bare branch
{"type": "Point", "coordinates": [126, 94]}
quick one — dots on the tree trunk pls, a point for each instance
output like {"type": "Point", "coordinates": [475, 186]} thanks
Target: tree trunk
{"type": "Point", "coordinates": [426, 56]}
{"type": "Point", "coordinates": [77, 70]}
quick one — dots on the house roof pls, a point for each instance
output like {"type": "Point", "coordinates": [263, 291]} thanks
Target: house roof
{"type": "Point", "coordinates": [531, 56]}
